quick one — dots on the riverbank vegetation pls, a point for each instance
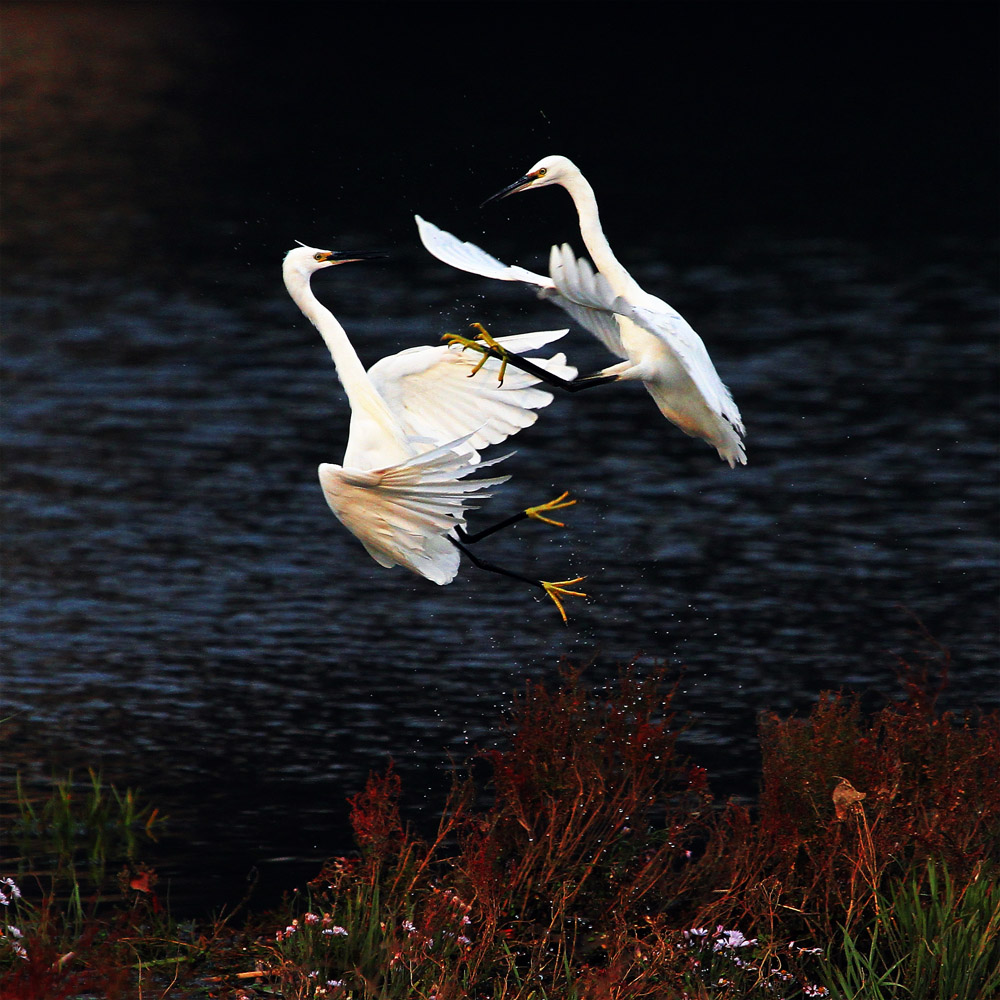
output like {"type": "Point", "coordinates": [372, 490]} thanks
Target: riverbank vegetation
{"type": "Point", "coordinates": [585, 860]}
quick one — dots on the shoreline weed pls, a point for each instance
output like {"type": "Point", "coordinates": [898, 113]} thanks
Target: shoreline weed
{"type": "Point", "coordinates": [591, 864]}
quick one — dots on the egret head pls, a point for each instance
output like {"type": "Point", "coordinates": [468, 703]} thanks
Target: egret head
{"type": "Point", "coordinates": [548, 170]}
{"type": "Point", "coordinates": [305, 260]}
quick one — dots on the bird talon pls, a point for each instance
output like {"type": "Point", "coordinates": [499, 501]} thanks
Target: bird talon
{"type": "Point", "coordinates": [455, 338]}
{"type": "Point", "coordinates": [482, 361]}
{"type": "Point", "coordinates": [485, 336]}
{"type": "Point", "coordinates": [560, 589]}
{"type": "Point", "coordinates": [495, 349]}
{"type": "Point", "coordinates": [484, 343]}
{"type": "Point", "coordinates": [557, 504]}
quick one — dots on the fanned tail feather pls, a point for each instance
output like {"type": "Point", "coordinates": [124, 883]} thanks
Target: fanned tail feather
{"type": "Point", "coordinates": [404, 514]}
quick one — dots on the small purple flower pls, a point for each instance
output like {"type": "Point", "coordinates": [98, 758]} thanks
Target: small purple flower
{"type": "Point", "coordinates": [13, 936]}
{"type": "Point", "coordinates": [731, 939]}
{"type": "Point", "coordinates": [722, 940]}
{"type": "Point", "coordinates": [10, 886]}
{"type": "Point", "coordinates": [15, 944]}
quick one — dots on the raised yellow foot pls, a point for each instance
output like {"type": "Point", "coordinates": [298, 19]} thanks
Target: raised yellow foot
{"type": "Point", "coordinates": [538, 513]}
{"type": "Point", "coordinates": [484, 342]}
{"type": "Point", "coordinates": [560, 589]}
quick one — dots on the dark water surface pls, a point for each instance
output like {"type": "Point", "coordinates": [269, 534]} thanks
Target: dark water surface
{"type": "Point", "coordinates": [181, 610]}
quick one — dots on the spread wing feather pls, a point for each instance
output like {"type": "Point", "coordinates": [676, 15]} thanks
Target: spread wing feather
{"type": "Point", "coordinates": [577, 282]}
{"type": "Point", "coordinates": [430, 392]}
{"type": "Point", "coordinates": [405, 513]}
{"type": "Point", "coordinates": [468, 257]}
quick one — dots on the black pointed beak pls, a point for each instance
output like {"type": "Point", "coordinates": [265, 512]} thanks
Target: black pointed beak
{"type": "Point", "coordinates": [347, 256]}
{"type": "Point", "coordinates": [519, 185]}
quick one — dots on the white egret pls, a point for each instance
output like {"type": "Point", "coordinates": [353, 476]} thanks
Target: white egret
{"type": "Point", "coordinates": [416, 426]}
{"type": "Point", "coordinates": [658, 346]}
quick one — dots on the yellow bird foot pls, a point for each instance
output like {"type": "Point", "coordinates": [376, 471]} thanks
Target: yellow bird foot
{"type": "Point", "coordinates": [486, 337]}
{"type": "Point", "coordinates": [483, 342]}
{"type": "Point", "coordinates": [538, 513]}
{"type": "Point", "coordinates": [456, 338]}
{"type": "Point", "coordinates": [560, 589]}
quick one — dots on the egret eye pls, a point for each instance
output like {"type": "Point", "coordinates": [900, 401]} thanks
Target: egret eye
{"type": "Point", "coordinates": [542, 172]}
{"type": "Point", "coordinates": [319, 256]}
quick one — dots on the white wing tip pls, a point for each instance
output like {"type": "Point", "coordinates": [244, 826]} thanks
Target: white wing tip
{"type": "Point", "coordinates": [735, 454]}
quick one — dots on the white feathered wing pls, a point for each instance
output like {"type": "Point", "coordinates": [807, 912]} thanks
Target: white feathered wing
{"type": "Point", "coordinates": [468, 257]}
{"type": "Point", "coordinates": [430, 393]}
{"type": "Point", "coordinates": [697, 401]}
{"type": "Point", "coordinates": [404, 514]}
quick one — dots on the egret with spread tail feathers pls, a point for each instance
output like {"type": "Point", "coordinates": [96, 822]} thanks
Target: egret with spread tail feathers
{"type": "Point", "coordinates": [658, 347]}
{"type": "Point", "coordinates": [417, 424]}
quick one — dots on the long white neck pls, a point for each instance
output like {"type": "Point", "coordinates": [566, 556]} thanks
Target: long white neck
{"type": "Point", "coordinates": [371, 420]}
{"type": "Point", "coordinates": [593, 236]}
{"type": "Point", "coordinates": [349, 367]}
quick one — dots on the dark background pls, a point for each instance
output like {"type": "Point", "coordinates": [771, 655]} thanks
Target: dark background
{"type": "Point", "coordinates": [814, 185]}
{"type": "Point", "coordinates": [872, 119]}
{"type": "Point", "coordinates": [693, 121]}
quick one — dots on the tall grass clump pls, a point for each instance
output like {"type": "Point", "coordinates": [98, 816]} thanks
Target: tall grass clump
{"type": "Point", "coordinates": [77, 828]}
{"type": "Point", "coordinates": [591, 814]}
{"type": "Point", "coordinates": [584, 858]}
{"type": "Point", "coordinates": [594, 862]}
{"type": "Point", "coordinates": [925, 939]}
{"type": "Point", "coordinates": [80, 913]}
{"type": "Point", "coordinates": [570, 874]}
{"type": "Point", "coordinates": [849, 805]}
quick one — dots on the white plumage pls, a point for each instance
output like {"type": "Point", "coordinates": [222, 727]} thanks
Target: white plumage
{"type": "Point", "coordinates": [657, 345]}
{"type": "Point", "coordinates": [417, 425]}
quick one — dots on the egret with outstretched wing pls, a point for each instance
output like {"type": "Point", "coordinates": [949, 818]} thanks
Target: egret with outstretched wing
{"type": "Point", "coordinates": [656, 344]}
{"type": "Point", "coordinates": [417, 424]}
